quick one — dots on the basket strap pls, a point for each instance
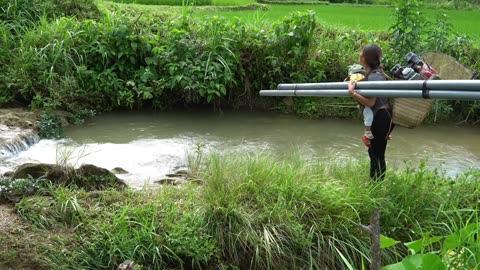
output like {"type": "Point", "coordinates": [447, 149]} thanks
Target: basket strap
{"type": "Point", "coordinates": [425, 90]}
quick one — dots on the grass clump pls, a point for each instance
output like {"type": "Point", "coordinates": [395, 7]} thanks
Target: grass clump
{"type": "Point", "coordinates": [28, 11]}
{"type": "Point", "coordinates": [253, 212]}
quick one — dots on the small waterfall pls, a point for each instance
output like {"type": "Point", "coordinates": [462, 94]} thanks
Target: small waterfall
{"type": "Point", "coordinates": [15, 140]}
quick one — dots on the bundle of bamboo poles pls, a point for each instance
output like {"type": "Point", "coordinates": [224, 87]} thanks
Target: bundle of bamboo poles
{"type": "Point", "coordinates": [434, 89]}
{"type": "Point", "coordinates": [412, 102]}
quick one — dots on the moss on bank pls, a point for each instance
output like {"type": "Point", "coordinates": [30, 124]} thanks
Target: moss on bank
{"type": "Point", "coordinates": [249, 212]}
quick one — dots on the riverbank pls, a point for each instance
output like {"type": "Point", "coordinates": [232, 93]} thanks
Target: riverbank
{"type": "Point", "coordinates": [176, 60]}
{"type": "Point", "coordinates": [241, 212]}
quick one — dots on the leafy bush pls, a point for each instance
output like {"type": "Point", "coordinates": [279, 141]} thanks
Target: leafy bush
{"type": "Point", "coordinates": [81, 116]}
{"type": "Point", "coordinates": [50, 126]}
{"type": "Point", "coordinates": [180, 62]}
{"type": "Point", "coordinates": [15, 189]}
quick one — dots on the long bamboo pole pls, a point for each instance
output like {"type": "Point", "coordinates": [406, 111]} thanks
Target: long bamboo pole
{"type": "Point", "coordinates": [467, 85]}
{"type": "Point", "coordinates": [393, 93]}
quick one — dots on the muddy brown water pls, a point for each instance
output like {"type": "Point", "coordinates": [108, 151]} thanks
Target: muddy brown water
{"type": "Point", "coordinates": [150, 145]}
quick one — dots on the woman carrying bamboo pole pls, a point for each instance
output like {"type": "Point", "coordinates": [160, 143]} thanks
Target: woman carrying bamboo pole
{"type": "Point", "coordinates": [370, 59]}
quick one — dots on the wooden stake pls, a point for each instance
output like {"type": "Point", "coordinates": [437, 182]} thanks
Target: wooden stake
{"type": "Point", "coordinates": [374, 231]}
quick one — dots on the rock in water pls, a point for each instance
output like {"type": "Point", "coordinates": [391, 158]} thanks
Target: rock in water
{"type": "Point", "coordinates": [94, 178]}
{"type": "Point", "coordinates": [32, 169]}
{"type": "Point", "coordinates": [89, 177]}
{"type": "Point", "coordinates": [92, 170]}
{"type": "Point", "coordinates": [8, 174]}
{"type": "Point", "coordinates": [119, 170]}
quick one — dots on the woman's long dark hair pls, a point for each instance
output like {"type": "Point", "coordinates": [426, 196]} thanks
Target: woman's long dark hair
{"type": "Point", "coordinates": [372, 54]}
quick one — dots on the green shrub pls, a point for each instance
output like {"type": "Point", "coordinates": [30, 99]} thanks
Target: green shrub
{"type": "Point", "coordinates": [50, 126]}
{"type": "Point", "coordinates": [15, 189]}
{"type": "Point", "coordinates": [81, 116]}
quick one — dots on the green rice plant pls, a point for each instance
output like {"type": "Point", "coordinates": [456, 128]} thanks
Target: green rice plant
{"type": "Point", "coordinates": [167, 2]}
{"type": "Point", "coordinates": [232, 2]}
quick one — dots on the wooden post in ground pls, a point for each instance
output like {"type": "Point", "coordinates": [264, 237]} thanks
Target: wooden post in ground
{"type": "Point", "coordinates": [374, 231]}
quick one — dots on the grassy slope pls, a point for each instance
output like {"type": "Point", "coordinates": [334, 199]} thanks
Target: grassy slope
{"type": "Point", "coordinates": [252, 211]}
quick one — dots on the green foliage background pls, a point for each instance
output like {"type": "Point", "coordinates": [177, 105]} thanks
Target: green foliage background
{"type": "Point", "coordinates": [125, 59]}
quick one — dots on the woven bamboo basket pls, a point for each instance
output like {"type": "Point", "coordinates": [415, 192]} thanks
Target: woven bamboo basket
{"type": "Point", "coordinates": [411, 112]}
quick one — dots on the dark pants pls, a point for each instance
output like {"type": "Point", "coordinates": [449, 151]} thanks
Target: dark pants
{"type": "Point", "coordinates": [381, 127]}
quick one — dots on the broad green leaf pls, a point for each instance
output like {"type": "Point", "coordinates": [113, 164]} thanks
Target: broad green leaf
{"type": "Point", "coordinates": [456, 239]}
{"type": "Point", "coordinates": [427, 261]}
{"type": "Point", "coordinates": [412, 262]}
{"type": "Point", "coordinates": [386, 242]}
{"type": "Point", "coordinates": [451, 242]}
{"type": "Point", "coordinates": [432, 261]}
{"type": "Point", "coordinates": [419, 244]}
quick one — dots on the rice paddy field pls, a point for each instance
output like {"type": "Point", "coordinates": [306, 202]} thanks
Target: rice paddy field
{"type": "Point", "coordinates": [367, 18]}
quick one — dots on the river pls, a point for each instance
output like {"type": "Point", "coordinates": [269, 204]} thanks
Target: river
{"type": "Point", "coordinates": [150, 145]}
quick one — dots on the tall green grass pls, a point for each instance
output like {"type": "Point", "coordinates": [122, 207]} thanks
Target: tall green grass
{"type": "Point", "coordinates": [254, 212]}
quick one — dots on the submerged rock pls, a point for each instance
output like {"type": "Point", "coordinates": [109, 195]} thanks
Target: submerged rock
{"type": "Point", "coordinates": [119, 170]}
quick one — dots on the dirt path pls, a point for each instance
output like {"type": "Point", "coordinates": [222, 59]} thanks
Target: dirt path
{"type": "Point", "coordinates": [9, 220]}
{"type": "Point", "coordinates": [14, 252]}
